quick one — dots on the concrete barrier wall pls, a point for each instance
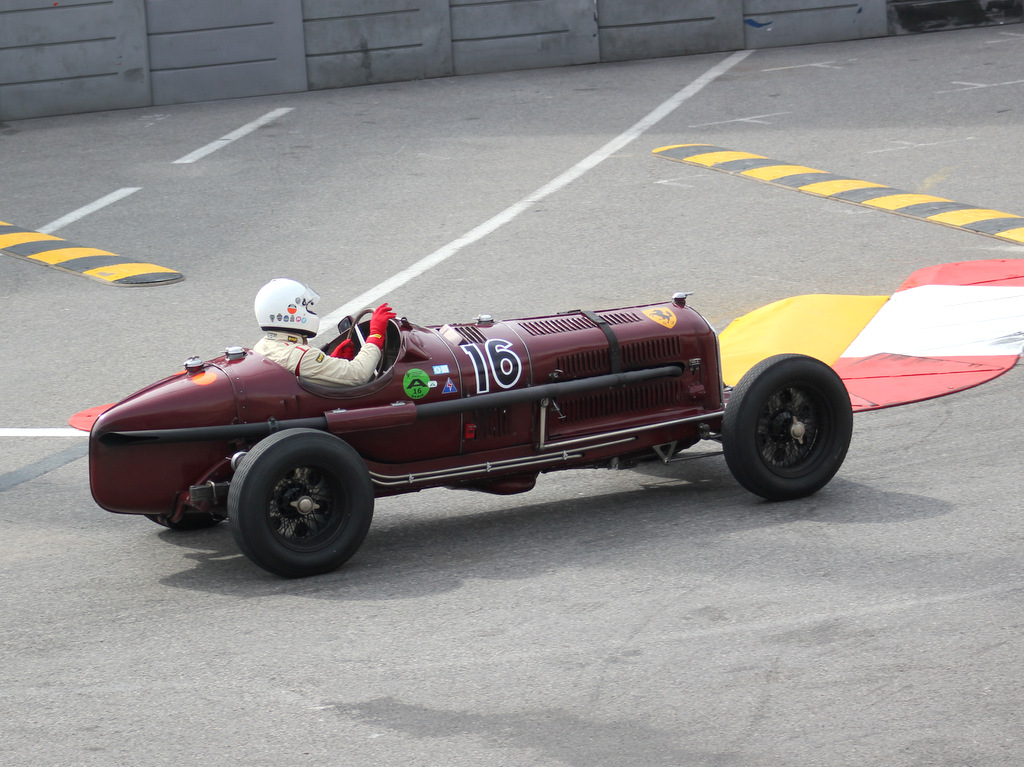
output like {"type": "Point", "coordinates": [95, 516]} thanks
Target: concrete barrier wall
{"type": "Point", "coordinates": [72, 56]}
{"type": "Point", "coordinates": [647, 29]}
{"type": "Point", "coordinates": [83, 55]}
{"type": "Point", "coordinates": [494, 37]}
{"type": "Point", "coordinates": [358, 42]}
{"type": "Point", "coordinates": [201, 50]}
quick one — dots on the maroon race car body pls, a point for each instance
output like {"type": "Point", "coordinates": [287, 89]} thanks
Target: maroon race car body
{"type": "Point", "coordinates": [485, 405]}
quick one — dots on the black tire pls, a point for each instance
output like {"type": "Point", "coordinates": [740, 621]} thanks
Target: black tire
{"type": "Point", "coordinates": [300, 503]}
{"type": "Point", "coordinates": [787, 427]}
{"type": "Point", "coordinates": [199, 520]}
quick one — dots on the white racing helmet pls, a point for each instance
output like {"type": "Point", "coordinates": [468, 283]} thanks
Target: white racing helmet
{"type": "Point", "coordinates": [287, 305]}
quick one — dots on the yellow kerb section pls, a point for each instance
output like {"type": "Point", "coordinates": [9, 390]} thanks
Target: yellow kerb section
{"type": "Point", "coordinates": [119, 271]}
{"type": "Point", "coordinates": [961, 217]}
{"type": "Point", "coordinates": [717, 158]}
{"type": "Point", "coordinates": [897, 201]}
{"type": "Point", "coordinates": [17, 238]}
{"type": "Point", "coordinates": [821, 326]}
{"type": "Point", "coordinates": [675, 146]}
{"type": "Point", "coordinates": [1017, 235]}
{"type": "Point", "coordinates": [61, 255]}
{"type": "Point", "coordinates": [828, 188]}
{"type": "Point", "coordinates": [772, 172]}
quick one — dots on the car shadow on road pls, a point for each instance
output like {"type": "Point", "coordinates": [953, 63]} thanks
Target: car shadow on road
{"type": "Point", "coordinates": [558, 736]}
{"type": "Point", "coordinates": [429, 547]}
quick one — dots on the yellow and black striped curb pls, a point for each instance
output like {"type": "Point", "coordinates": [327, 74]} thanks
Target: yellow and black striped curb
{"type": "Point", "coordinates": [90, 262]}
{"type": "Point", "coordinates": [924, 207]}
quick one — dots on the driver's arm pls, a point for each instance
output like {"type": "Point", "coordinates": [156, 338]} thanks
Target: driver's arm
{"type": "Point", "coordinates": [320, 368]}
{"type": "Point", "coordinates": [317, 367]}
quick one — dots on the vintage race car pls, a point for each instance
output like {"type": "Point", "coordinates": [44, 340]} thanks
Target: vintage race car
{"type": "Point", "coordinates": [486, 405]}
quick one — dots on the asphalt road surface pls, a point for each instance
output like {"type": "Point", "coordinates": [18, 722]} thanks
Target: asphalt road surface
{"type": "Point", "coordinates": [606, 618]}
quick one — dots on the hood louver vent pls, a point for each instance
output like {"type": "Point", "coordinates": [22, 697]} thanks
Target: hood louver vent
{"type": "Point", "coordinates": [650, 395]}
{"type": "Point", "coordinates": [635, 355]}
{"type": "Point", "coordinates": [471, 333]}
{"type": "Point", "coordinates": [492, 423]}
{"type": "Point", "coordinates": [557, 325]}
{"type": "Point", "coordinates": [620, 318]}
{"type": "Point", "coordinates": [573, 322]}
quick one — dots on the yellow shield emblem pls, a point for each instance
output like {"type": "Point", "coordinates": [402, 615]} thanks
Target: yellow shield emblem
{"type": "Point", "coordinates": [663, 316]}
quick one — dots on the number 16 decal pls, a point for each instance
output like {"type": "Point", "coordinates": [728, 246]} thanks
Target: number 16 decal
{"type": "Point", "coordinates": [496, 359]}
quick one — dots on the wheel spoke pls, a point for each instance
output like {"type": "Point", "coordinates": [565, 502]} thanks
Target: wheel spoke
{"type": "Point", "coordinates": [788, 427]}
{"type": "Point", "coordinates": [301, 506]}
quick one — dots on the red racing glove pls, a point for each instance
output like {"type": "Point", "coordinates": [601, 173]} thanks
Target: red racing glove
{"type": "Point", "coordinates": [379, 325]}
{"type": "Point", "coordinates": [344, 351]}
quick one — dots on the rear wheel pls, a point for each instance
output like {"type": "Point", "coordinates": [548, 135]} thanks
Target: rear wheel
{"type": "Point", "coordinates": [787, 427]}
{"type": "Point", "coordinates": [300, 503]}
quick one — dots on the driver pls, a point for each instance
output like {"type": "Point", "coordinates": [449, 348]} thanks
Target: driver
{"type": "Point", "coordinates": [284, 308]}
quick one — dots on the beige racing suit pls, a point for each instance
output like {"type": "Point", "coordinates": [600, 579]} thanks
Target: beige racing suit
{"type": "Point", "coordinates": [311, 364]}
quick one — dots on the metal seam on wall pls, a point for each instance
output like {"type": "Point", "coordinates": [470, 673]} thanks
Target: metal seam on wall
{"type": "Point", "coordinates": [868, 194]}
{"type": "Point", "coordinates": [68, 256]}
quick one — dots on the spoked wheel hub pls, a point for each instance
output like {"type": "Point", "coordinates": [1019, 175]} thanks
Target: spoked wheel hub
{"type": "Point", "coordinates": [788, 427]}
{"type": "Point", "coordinates": [305, 505]}
{"type": "Point", "coordinates": [302, 508]}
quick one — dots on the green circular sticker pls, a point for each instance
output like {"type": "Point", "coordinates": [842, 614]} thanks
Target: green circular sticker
{"type": "Point", "coordinates": [416, 383]}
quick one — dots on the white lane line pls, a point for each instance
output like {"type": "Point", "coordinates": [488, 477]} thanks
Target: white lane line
{"type": "Point", "coordinates": [821, 64]}
{"type": "Point", "coordinates": [92, 207]}
{"type": "Point", "coordinates": [223, 141]}
{"type": "Point", "coordinates": [976, 86]}
{"type": "Point", "coordinates": [474, 235]}
{"type": "Point", "coordinates": [1005, 39]}
{"type": "Point", "coordinates": [19, 432]}
{"type": "Point", "coordinates": [755, 119]}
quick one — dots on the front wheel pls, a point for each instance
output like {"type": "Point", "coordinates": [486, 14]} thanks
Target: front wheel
{"type": "Point", "coordinates": [787, 427]}
{"type": "Point", "coordinates": [300, 503]}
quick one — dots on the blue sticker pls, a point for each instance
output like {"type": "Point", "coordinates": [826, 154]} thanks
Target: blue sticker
{"type": "Point", "coordinates": [449, 387]}
{"type": "Point", "coordinates": [440, 370]}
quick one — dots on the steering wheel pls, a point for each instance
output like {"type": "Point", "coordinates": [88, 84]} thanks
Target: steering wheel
{"type": "Point", "coordinates": [355, 324]}
{"type": "Point", "coordinates": [362, 341]}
